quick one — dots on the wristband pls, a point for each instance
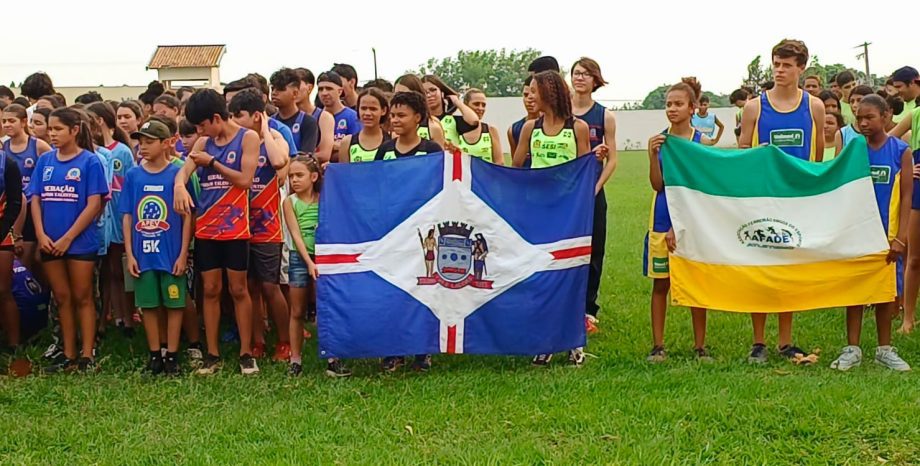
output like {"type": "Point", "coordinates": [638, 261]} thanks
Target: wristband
{"type": "Point", "coordinates": [212, 162]}
{"type": "Point", "coordinates": [900, 242]}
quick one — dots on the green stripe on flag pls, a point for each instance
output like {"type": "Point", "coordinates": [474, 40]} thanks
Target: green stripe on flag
{"type": "Point", "coordinates": [764, 171]}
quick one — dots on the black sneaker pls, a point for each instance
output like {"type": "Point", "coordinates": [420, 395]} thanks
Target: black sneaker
{"type": "Point", "coordinates": [60, 364]}
{"type": "Point", "coordinates": [295, 369]}
{"type": "Point", "coordinates": [657, 354]}
{"type": "Point", "coordinates": [248, 365]}
{"type": "Point", "coordinates": [790, 352]}
{"type": "Point", "coordinates": [210, 365]}
{"type": "Point", "coordinates": [195, 355]}
{"type": "Point", "coordinates": [53, 353]}
{"type": "Point", "coordinates": [171, 366]}
{"type": "Point", "coordinates": [392, 363]}
{"type": "Point", "coordinates": [542, 360]}
{"type": "Point", "coordinates": [758, 354]}
{"type": "Point", "coordinates": [422, 363]}
{"type": "Point", "coordinates": [154, 365]}
{"type": "Point", "coordinates": [87, 365]}
{"type": "Point", "coordinates": [576, 357]}
{"type": "Point", "coordinates": [335, 368]}
{"type": "Point", "coordinates": [703, 355]}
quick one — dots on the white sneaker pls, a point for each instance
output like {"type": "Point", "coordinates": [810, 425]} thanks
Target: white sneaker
{"type": "Point", "coordinates": [888, 357]}
{"type": "Point", "coordinates": [850, 357]}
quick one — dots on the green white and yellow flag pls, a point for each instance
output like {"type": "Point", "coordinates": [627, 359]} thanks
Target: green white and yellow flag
{"type": "Point", "coordinates": [760, 231]}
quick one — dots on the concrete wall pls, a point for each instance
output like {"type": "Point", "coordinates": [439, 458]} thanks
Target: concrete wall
{"type": "Point", "coordinates": [634, 127]}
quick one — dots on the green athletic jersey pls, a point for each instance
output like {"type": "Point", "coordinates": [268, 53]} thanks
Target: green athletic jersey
{"type": "Point", "coordinates": [307, 215]}
{"type": "Point", "coordinates": [423, 131]}
{"type": "Point", "coordinates": [907, 113]}
{"type": "Point", "coordinates": [449, 124]}
{"type": "Point", "coordinates": [847, 112]}
{"type": "Point", "coordinates": [196, 185]}
{"type": "Point", "coordinates": [548, 151]}
{"type": "Point", "coordinates": [357, 153]}
{"type": "Point", "coordinates": [915, 130]}
{"type": "Point", "coordinates": [481, 148]}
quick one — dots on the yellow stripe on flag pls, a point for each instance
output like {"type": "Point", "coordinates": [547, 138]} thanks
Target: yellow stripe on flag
{"type": "Point", "coordinates": [781, 288]}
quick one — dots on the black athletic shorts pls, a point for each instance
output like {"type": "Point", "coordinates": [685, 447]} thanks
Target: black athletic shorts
{"type": "Point", "coordinates": [89, 257]}
{"type": "Point", "coordinates": [213, 254]}
{"type": "Point", "coordinates": [28, 227]}
{"type": "Point", "coordinates": [265, 262]}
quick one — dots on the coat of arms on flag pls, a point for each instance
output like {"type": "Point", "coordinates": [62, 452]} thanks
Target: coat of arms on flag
{"type": "Point", "coordinates": [448, 253]}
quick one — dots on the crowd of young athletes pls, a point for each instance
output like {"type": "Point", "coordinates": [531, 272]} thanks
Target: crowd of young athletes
{"type": "Point", "coordinates": [176, 208]}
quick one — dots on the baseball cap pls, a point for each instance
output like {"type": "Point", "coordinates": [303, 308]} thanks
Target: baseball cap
{"type": "Point", "coordinates": [152, 129]}
{"type": "Point", "coordinates": [905, 74]}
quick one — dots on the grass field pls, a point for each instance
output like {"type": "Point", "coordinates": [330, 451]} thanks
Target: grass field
{"type": "Point", "coordinates": [617, 409]}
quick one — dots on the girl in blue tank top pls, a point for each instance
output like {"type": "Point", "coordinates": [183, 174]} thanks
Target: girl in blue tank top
{"type": "Point", "coordinates": [890, 164]}
{"type": "Point", "coordinates": [587, 79]}
{"type": "Point", "coordinates": [680, 104]}
{"type": "Point", "coordinates": [25, 150]}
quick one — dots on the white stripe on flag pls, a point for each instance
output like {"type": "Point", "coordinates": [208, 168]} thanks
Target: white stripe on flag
{"type": "Point", "coordinates": [457, 169]}
{"type": "Point", "coordinates": [336, 269]}
{"type": "Point", "coordinates": [840, 224]}
{"type": "Point", "coordinates": [451, 337]}
{"type": "Point", "coordinates": [356, 248]}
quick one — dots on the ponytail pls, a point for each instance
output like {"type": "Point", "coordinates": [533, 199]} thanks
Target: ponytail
{"type": "Point", "coordinates": [313, 166]}
{"type": "Point", "coordinates": [105, 112]}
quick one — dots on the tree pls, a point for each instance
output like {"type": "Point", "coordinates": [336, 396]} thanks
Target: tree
{"type": "Point", "coordinates": [757, 75]}
{"type": "Point", "coordinates": [500, 73]}
{"type": "Point", "coordinates": [655, 100]}
{"type": "Point", "coordinates": [825, 72]}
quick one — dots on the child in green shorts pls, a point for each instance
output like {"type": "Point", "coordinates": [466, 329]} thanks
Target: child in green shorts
{"type": "Point", "coordinates": [157, 241]}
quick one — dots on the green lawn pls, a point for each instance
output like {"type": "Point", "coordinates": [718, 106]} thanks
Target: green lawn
{"type": "Point", "coordinates": [616, 409]}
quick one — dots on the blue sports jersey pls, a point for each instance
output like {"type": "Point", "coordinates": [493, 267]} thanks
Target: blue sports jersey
{"type": "Point", "coordinates": [285, 133]}
{"type": "Point", "coordinates": [122, 161]}
{"type": "Point", "coordinates": [595, 120]}
{"type": "Point", "coordinates": [660, 218]}
{"type": "Point", "coordinates": [25, 160]}
{"type": "Point", "coordinates": [793, 132]}
{"type": "Point", "coordinates": [105, 220]}
{"type": "Point", "coordinates": [885, 169]}
{"type": "Point", "coordinates": [31, 300]}
{"type": "Point", "coordinates": [848, 134]}
{"type": "Point", "coordinates": [63, 188]}
{"type": "Point", "coordinates": [156, 232]}
{"type": "Point", "coordinates": [705, 125]}
{"type": "Point", "coordinates": [516, 129]}
{"type": "Point", "coordinates": [346, 123]}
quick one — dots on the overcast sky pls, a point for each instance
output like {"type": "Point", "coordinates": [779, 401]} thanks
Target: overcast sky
{"type": "Point", "coordinates": [639, 44]}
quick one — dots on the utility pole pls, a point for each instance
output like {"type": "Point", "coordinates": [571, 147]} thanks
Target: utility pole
{"type": "Point", "coordinates": [374, 51]}
{"type": "Point", "coordinates": [865, 56]}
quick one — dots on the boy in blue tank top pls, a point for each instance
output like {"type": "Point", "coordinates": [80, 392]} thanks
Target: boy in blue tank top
{"type": "Point", "coordinates": [789, 118]}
